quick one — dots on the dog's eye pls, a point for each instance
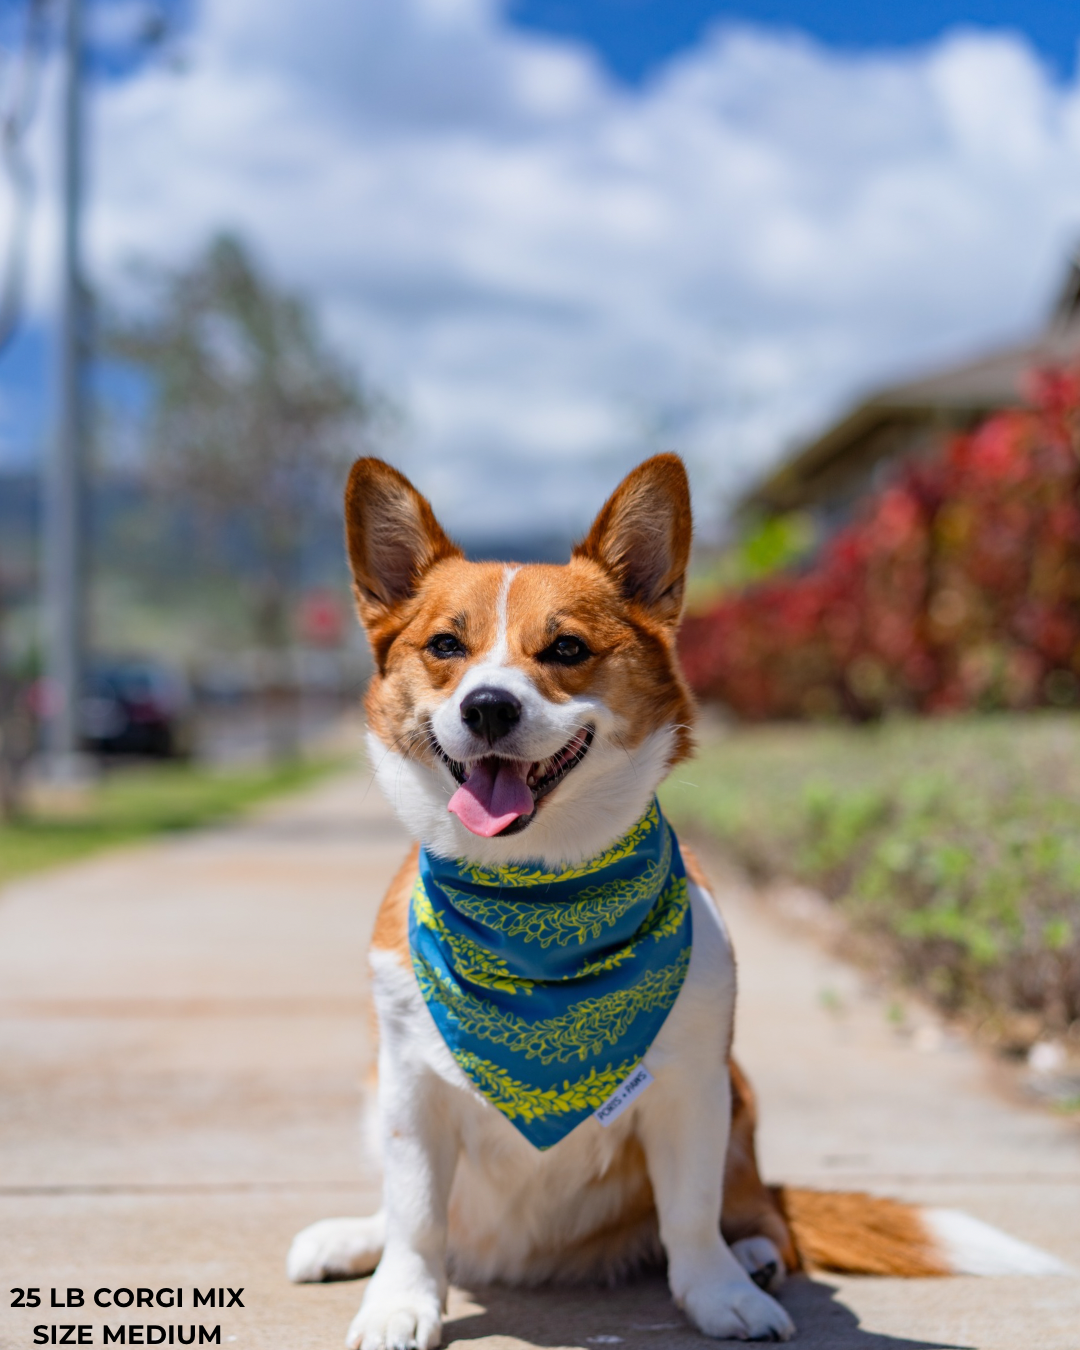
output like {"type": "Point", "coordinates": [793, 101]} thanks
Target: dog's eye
{"type": "Point", "coordinates": [565, 651]}
{"type": "Point", "coordinates": [445, 644]}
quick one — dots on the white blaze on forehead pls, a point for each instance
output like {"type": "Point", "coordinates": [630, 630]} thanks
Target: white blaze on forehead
{"type": "Point", "coordinates": [501, 649]}
{"type": "Point", "coordinates": [493, 666]}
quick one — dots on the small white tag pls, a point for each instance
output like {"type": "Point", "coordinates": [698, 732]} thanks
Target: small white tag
{"type": "Point", "coordinates": [628, 1090]}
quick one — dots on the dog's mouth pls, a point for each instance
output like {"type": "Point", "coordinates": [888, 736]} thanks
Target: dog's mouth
{"type": "Point", "coordinates": [499, 796]}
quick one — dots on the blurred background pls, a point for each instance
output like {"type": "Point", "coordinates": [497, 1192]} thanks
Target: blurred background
{"type": "Point", "coordinates": [828, 252]}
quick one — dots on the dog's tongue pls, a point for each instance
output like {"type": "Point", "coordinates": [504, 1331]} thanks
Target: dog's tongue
{"type": "Point", "coordinates": [494, 794]}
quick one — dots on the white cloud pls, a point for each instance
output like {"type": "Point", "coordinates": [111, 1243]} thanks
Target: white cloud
{"type": "Point", "coordinates": [554, 275]}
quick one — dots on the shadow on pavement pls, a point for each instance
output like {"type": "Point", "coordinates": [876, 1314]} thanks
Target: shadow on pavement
{"type": "Point", "coordinates": [642, 1314]}
{"type": "Point", "coordinates": [825, 1323]}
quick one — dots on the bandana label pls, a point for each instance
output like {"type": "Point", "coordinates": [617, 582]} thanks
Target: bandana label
{"type": "Point", "coordinates": [549, 987]}
{"type": "Point", "coordinates": [621, 1098]}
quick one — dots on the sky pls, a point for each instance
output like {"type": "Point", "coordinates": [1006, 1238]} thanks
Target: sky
{"type": "Point", "coordinates": [563, 236]}
{"type": "Point", "coordinates": [634, 37]}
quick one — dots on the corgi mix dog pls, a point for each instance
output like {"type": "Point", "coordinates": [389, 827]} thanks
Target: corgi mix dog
{"type": "Point", "coordinates": [520, 720]}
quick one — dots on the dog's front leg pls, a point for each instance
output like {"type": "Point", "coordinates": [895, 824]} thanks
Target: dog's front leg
{"type": "Point", "coordinates": [402, 1307]}
{"type": "Point", "coordinates": [684, 1120]}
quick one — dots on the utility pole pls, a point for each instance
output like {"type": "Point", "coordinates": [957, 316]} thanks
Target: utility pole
{"type": "Point", "coordinates": [65, 525]}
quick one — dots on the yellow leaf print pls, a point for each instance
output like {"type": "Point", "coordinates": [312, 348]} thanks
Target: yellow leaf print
{"type": "Point", "coordinates": [518, 1100]}
{"type": "Point", "coordinates": [595, 908]}
{"type": "Point", "coordinates": [582, 1030]}
{"type": "Point", "coordinates": [472, 960]}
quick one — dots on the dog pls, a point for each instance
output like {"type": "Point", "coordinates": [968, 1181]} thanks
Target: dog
{"type": "Point", "coordinates": [521, 719]}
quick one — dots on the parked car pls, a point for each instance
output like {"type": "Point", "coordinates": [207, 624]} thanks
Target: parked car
{"type": "Point", "coordinates": [137, 707]}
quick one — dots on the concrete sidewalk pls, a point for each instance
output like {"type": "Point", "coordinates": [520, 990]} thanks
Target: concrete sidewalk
{"type": "Point", "coordinates": [182, 1047]}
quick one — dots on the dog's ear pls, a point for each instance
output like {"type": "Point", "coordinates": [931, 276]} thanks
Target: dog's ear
{"type": "Point", "coordinates": [392, 537]}
{"type": "Point", "coordinates": [642, 536]}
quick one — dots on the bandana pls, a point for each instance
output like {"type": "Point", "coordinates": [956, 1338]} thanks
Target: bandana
{"type": "Point", "coordinates": [549, 987]}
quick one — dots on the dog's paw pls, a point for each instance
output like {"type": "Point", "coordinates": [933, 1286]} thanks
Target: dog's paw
{"type": "Point", "coordinates": [402, 1321]}
{"type": "Point", "coordinates": [736, 1310]}
{"type": "Point", "coordinates": [336, 1249]}
{"type": "Point", "coordinates": [761, 1260]}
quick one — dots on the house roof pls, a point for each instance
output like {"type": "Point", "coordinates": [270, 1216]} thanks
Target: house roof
{"type": "Point", "coordinates": [884, 424]}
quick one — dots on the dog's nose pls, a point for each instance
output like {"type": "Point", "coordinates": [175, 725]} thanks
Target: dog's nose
{"type": "Point", "coordinates": [490, 713]}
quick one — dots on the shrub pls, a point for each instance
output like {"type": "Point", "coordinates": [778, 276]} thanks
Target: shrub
{"type": "Point", "coordinates": [958, 587]}
{"type": "Point", "coordinates": [954, 848]}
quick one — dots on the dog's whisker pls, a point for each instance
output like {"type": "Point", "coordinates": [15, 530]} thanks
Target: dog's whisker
{"type": "Point", "coordinates": [375, 772]}
{"type": "Point", "coordinates": [617, 739]}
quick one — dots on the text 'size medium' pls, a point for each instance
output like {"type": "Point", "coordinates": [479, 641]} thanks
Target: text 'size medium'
{"type": "Point", "coordinates": [134, 1333]}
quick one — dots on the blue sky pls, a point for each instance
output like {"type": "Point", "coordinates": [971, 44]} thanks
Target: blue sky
{"type": "Point", "coordinates": [563, 237]}
{"type": "Point", "coordinates": [635, 37]}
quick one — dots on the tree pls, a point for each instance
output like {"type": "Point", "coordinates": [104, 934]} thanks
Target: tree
{"type": "Point", "coordinates": [254, 423]}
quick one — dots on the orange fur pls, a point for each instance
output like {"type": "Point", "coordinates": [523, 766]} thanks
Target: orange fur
{"type": "Point", "coordinates": [858, 1234]}
{"type": "Point", "coordinates": [750, 1207]}
{"type": "Point", "coordinates": [694, 869]}
{"type": "Point", "coordinates": [391, 931]}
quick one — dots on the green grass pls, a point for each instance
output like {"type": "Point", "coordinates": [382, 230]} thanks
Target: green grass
{"type": "Point", "coordinates": [954, 844]}
{"type": "Point", "coordinates": [136, 803]}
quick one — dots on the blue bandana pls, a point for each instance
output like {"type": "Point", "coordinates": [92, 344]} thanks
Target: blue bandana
{"type": "Point", "coordinates": [549, 987]}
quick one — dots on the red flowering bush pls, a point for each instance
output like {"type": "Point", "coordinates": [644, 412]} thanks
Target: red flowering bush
{"type": "Point", "coordinates": [957, 587]}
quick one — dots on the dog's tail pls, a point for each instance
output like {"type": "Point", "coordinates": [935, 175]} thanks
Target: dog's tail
{"type": "Point", "coordinates": [857, 1234]}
